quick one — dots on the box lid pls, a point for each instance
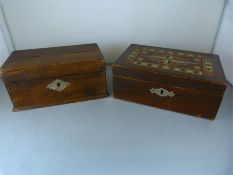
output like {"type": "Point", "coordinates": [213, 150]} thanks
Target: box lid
{"type": "Point", "coordinates": [48, 62]}
{"type": "Point", "coordinates": [170, 66]}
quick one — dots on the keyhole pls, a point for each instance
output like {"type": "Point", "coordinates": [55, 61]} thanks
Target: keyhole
{"type": "Point", "coordinates": [161, 92]}
{"type": "Point", "coordinates": [168, 59]}
{"type": "Point", "coordinates": [58, 84]}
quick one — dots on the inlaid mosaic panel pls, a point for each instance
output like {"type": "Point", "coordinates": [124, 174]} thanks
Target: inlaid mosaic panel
{"type": "Point", "coordinates": [176, 61]}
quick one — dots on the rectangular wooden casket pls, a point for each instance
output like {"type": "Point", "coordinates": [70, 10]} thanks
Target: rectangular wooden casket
{"type": "Point", "coordinates": [182, 81]}
{"type": "Point", "coordinates": [50, 76]}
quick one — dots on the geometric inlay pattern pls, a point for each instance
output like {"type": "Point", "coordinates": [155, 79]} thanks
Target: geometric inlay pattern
{"type": "Point", "coordinates": [176, 61]}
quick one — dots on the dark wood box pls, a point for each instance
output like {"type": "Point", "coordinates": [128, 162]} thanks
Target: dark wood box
{"type": "Point", "coordinates": [50, 76]}
{"type": "Point", "coordinates": [182, 81]}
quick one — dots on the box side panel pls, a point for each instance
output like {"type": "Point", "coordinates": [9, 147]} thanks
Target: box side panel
{"type": "Point", "coordinates": [57, 90]}
{"type": "Point", "coordinates": [171, 98]}
{"type": "Point", "coordinates": [220, 76]}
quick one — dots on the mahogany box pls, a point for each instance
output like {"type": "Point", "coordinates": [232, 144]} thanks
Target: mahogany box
{"type": "Point", "coordinates": [187, 82]}
{"type": "Point", "coordinates": [58, 75]}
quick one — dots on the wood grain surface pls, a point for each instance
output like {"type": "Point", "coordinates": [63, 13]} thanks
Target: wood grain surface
{"type": "Point", "coordinates": [34, 93]}
{"type": "Point", "coordinates": [185, 101]}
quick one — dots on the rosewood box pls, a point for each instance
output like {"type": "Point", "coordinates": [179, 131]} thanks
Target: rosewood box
{"type": "Point", "coordinates": [50, 76]}
{"type": "Point", "coordinates": [182, 81]}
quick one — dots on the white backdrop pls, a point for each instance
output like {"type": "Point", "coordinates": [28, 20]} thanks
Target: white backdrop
{"type": "Point", "coordinates": [224, 45]}
{"type": "Point", "coordinates": [181, 24]}
{"type": "Point", "coordinates": [3, 48]}
{"type": "Point", "coordinates": [5, 42]}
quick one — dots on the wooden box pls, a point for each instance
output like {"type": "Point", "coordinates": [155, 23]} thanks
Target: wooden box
{"type": "Point", "coordinates": [50, 76]}
{"type": "Point", "coordinates": [182, 81]}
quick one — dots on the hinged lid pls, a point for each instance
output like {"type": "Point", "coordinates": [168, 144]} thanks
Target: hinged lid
{"type": "Point", "coordinates": [48, 62]}
{"type": "Point", "coordinates": [179, 68]}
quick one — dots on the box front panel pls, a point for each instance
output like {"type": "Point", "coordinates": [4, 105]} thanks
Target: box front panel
{"type": "Point", "coordinates": [171, 98]}
{"type": "Point", "coordinates": [57, 90]}
{"type": "Point", "coordinates": [170, 80]}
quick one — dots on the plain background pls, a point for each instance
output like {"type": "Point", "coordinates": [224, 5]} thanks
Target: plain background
{"type": "Point", "coordinates": [224, 44]}
{"type": "Point", "coordinates": [5, 40]}
{"type": "Point", "coordinates": [181, 24]}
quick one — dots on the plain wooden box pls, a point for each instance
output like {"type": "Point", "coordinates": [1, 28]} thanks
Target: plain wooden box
{"type": "Point", "coordinates": [50, 76]}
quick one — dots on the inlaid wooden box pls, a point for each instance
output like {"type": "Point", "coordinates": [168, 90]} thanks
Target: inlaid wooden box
{"type": "Point", "coordinates": [182, 81]}
{"type": "Point", "coordinates": [50, 76]}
